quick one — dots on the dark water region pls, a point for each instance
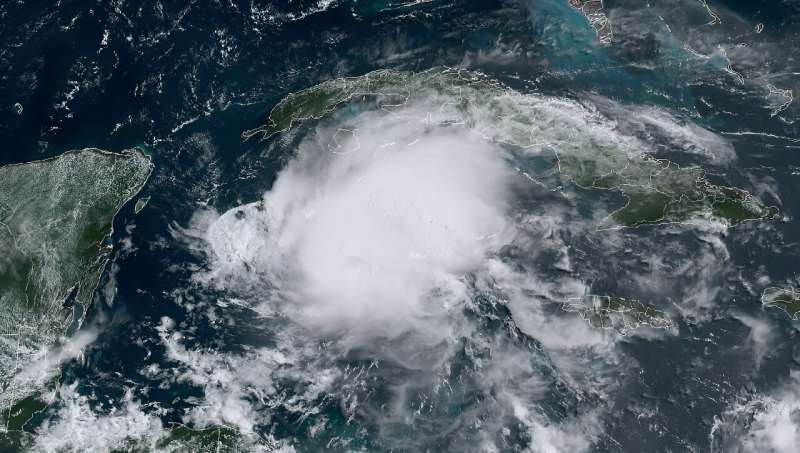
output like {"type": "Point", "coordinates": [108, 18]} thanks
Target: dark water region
{"type": "Point", "coordinates": [182, 80]}
{"type": "Point", "coordinates": [121, 75]}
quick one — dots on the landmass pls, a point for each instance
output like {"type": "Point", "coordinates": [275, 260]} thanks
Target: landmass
{"type": "Point", "coordinates": [617, 313]}
{"type": "Point", "coordinates": [213, 439]}
{"type": "Point", "coordinates": [177, 438]}
{"type": "Point", "coordinates": [786, 299]}
{"type": "Point", "coordinates": [56, 217]}
{"type": "Point", "coordinates": [655, 190]}
{"type": "Point", "coordinates": [596, 15]}
{"type": "Point", "coordinates": [660, 191]}
{"type": "Point", "coordinates": [386, 88]}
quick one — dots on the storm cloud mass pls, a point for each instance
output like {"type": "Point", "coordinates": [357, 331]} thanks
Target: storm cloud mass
{"type": "Point", "coordinates": [375, 237]}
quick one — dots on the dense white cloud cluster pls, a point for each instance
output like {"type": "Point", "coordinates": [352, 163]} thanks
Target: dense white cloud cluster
{"type": "Point", "coordinates": [374, 240]}
{"type": "Point", "coordinates": [768, 424]}
{"type": "Point", "coordinates": [381, 230]}
{"type": "Point", "coordinates": [78, 427]}
{"type": "Point", "coordinates": [48, 360]}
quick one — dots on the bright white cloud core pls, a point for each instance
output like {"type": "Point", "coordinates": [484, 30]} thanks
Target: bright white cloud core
{"type": "Point", "coordinates": [375, 238]}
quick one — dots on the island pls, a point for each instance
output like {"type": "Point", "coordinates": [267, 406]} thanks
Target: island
{"type": "Point", "coordinates": [617, 313]}
{"type": "Point", "coordinates": [786, 299]}
{"type": "Point", "coordinates": [594, 12]}
{"type": "Point", "coordinates": [56, 218]}
{"type": "Point", "coordinates": [212, 439]}
{"type": "Point", "coordinates": [556, 141]}
{"type": "Point", "coordinates": [660, 191]}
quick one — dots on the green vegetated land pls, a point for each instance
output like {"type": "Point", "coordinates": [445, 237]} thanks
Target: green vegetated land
{"type": "Point", "coordinates": [656, 190]}
{"type": "Point", "coordinates": [786, 299]}
{"type": "Point", "coordinates": [617, 313]}
{"type": "Point", "coordinates": [660, 191]}
{"type": "Point", "coordinates": [388, 88]}
{"type": "Point", "coordinates": [177, 438]}
{"type": "Point", "coordinates": [55, 218]}
{"type": "Point", "coordinates": [213, 439]}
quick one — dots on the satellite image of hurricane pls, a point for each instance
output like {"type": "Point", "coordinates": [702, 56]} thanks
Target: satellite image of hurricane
{"type": "Point", "coordinates": [543, 226]}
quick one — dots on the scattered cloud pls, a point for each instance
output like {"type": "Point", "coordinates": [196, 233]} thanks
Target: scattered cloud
{"type": "Point", "coordinates": [78, 427]}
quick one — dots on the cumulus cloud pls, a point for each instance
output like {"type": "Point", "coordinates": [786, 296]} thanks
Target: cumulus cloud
{"type": "Point", "coordinates": [761, 336]}
{"type": "Point", "coordinates": [660, 129]}
{"type": "Point", "coordinates": [89, 424]}
{"type": "Point", "coordinates": [77, 427]}
{"type": "Point", "coordinates": [224, 380]}
{"type": "Point", "coordinates": [48, 360]}
{"type": "Point", "coordinates": [776, 428]}
{"type": "Point", "coordinates": [232, 383]}
{"type": "Point", "coordinates": [766, 424]}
